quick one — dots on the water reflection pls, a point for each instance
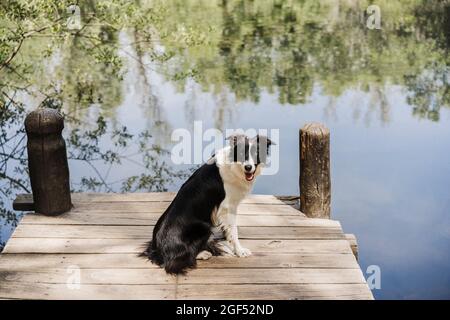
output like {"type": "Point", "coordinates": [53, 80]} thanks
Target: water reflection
{"type": "Point", "coordinates": [128, 79]}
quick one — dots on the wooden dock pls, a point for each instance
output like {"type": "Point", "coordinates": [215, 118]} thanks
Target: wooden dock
{"type": "Point", "coordinates": [91, 253]}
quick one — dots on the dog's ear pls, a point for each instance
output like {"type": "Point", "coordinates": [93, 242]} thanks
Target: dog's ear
{"type": "Point", "coordinates": [235, 138]}
{"type": "Point", "coordinates": [263, 141]}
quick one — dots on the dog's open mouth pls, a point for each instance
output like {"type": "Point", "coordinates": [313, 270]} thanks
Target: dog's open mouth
{"type": "Point", "coordinates": [249, 176]}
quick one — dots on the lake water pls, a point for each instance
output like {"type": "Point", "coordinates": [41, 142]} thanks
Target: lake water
{"type": "Point", "coordinates": [384, 94]}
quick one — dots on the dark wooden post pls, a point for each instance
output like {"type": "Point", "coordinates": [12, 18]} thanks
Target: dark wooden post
{"type": "Point", "coordinates": [315, 181]}
{"type": "Point", "coordinates": [47, 162]}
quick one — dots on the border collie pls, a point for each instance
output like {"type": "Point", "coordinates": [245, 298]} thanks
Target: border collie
{"type": "Point", "coordinates": [208, 199]}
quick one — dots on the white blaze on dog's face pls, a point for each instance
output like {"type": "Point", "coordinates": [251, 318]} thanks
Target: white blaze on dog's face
{"type": "Point", "coordinates": [247, 156]}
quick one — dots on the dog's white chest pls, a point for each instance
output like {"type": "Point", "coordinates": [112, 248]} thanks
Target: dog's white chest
{"type": "Point", "coordinates": [233, 197]}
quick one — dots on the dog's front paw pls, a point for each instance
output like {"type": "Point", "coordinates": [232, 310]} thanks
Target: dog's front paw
{"type": "Point", "coordinates": [204, 255]}
{"type": "Point", "coordinates": [242, 252]}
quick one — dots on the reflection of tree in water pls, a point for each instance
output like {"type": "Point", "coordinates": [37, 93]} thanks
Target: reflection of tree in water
{"type": "Point", "coordinates": [149, 101]}
{"type": "Point", "coordinates": [288, 48]}
{"type": "Point", "coordinates": [430, 89]}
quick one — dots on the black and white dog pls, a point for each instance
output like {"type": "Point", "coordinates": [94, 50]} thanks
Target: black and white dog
{"type": "Point", "coordinates": [209, 198]}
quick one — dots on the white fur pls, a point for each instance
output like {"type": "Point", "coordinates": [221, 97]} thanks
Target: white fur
{"type": "Point", "coordinates": [204, 255]}
{"type": "Point", "coordinates": [236, 189]}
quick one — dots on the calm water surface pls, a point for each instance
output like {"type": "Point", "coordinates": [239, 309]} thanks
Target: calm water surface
{"type": "Point", "coordinates": [384, 94]}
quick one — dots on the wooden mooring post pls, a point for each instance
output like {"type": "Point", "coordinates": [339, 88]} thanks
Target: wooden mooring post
{"type": "Point", "coordinates": [47, 162]}
{"type": "Point", "coordinates": [315, 181]}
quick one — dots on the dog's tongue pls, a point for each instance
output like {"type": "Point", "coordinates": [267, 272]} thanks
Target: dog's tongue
{"type": "Point", "coordinates": [249, 176]}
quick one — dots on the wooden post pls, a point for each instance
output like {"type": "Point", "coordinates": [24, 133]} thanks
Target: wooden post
{"type": "Point", "coordinates": [315, 182]}
{"type": "Point", "coordinates": [47, 162]}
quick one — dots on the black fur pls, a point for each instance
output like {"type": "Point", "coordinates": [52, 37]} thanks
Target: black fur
{"type": "Point", "coordinates": [185, 227]}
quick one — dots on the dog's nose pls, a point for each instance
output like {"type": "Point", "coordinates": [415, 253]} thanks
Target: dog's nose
{"type": "Point", "coordinates": [248, 167]}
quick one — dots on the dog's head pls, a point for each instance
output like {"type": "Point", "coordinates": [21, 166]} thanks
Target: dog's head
{"type": "Point", "coordinates": [248, 155]}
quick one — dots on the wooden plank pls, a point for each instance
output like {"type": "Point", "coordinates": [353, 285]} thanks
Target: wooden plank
{"type": "Point", "coordinates": [266, 276]}
{"type": "Point", "coordinates": [160, 207]}
{"type": "Point", "coordinates": [197, 276]}
{"type": "Point", "coordinates": [158, 196]}
{"type": "Point", "coordinates": [275, 291]}
{"type": "Point", "coordinates": [132, 261]}
{"type": "Point", "coordinates": [145, 232]}
{"type": "Point", "coordinates": [11, 290]}
{"type": "Point", "coordinates": [90, 276]}
{"type": "Point", "coordinates": [353, 244]}
{"type": "Point", "coordinates": [23, 290]}
{"type": "Point", "coordinates": [290, 233]}
{"type": "Point", "coordinates": [88, 218]}
{"type": "Point", "coordinates": [149, 219]}
{"type": "Point", "coordinates": [27, 199]}
{"type": "Point", "coordinates": [56, 245]}
{"type": "Point", "coordinates": [23, 202]}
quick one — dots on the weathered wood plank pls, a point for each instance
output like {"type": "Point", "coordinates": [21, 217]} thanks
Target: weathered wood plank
{"type": "Point", "coordinates": [353, 244]}
{"type": "Point", "coordinates": [276, 291]}
{"type": "Point", "coordinates": [11, 290]}
{"type": "Point", "coordinates": [132, 261]}
{"type": "Point", "coordinates": [158, 196]}
{"type": "Point", "coordinates": [279, 276]}
{"type": "Point", "coordinates": [23, 290]}
{"type": "Point", "coordinates": [23, 202]}
{"type": "Point", "coordinates": [197, 276]}
{"type": "Point", "coordinates": [290, 233]}
{"type": "Point", "coordinates": [150, 219]}
{"type": "Point", "coordinates": [57, 245]}
{"type": "Point", "coordinates": [27, 199]}
{"type": "Point", "coordinates": [145, 232]}
{"type": "Point", "coordinates": [160, 207]}
{"type": "Point", "coordinates": [89, 276]}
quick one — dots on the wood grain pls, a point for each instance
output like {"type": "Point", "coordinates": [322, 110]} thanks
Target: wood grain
{"type": "Point", "coordinates": [149, 219]}
{"type": "Point", "coordinates": [97, 246]}
{"type": "Point", "coordinates": [276, 291]}
{"type": "Point", "coordinates": [24, 290]}
{"type": "Point", "coordinates": [38, 261]}
{"type": "Point", "coordinates": [294, 257]}
{"type": "Point", "coordinates": [197, 276]}
{"type": "Point", "coordinates": [145, 232]}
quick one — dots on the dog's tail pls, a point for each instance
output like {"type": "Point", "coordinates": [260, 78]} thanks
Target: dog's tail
{"type": "Point", "coordinates": [152, 254]}
{"type": "Point", "coordinates": [180, 264]}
